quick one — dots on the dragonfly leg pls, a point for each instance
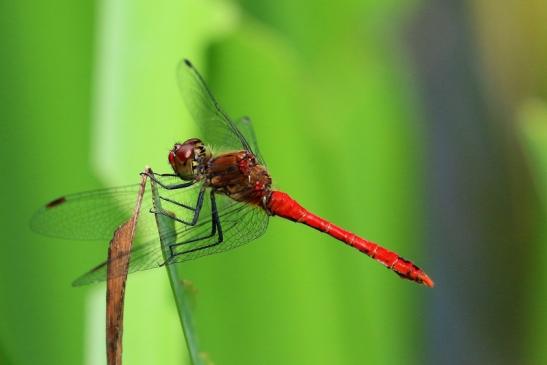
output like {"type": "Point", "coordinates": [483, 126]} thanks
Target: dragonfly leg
{"type": "Point", "coordinates": [177, 203]}
{"type": "Point", "coordinates": [149, 174]}
{"type": "Point", "coordinates": [196, 210]}
{"type": "Point", "coordinates": [165, 186]}
{"type": "Point", "coordinates": [216, 229]}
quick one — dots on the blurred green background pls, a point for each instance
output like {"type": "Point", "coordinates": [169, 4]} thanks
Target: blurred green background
{"type": "Point", "coordinates": [421, 125]}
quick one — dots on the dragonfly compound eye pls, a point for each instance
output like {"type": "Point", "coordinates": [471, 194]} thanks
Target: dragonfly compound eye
{"type": "Point", "coordinates": [184, 158]}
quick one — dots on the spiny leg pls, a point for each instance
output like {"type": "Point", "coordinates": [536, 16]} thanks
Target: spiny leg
{"type": "Point", "coordinates": [196, 210]}
{"type": "Point", "coordinates": [165, 175]}
{"type": "Point", "coordinates": [177, 203]}
{"type": "Point", "coordinates": [152, 177]}
{"type": "Point", "coordinates": [216, 229]}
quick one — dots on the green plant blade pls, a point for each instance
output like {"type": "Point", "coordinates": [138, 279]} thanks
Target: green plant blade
{"type": "Point", "coordinates": [166, 228]}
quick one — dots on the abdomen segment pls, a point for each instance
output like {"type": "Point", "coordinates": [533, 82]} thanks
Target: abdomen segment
{"type": "Point", "coordinates": [283, 205]}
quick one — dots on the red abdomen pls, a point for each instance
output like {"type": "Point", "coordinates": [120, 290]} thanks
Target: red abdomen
{"type": "Point", "coordinates": [283, 205]}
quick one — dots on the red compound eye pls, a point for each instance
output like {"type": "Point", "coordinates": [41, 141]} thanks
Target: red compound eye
{"type": "Point", "coordinates": [184, 152]}
{"type": "Point", "coordinates": [182, 157]}
{"type": "Point", "coordinates": [172, 158]}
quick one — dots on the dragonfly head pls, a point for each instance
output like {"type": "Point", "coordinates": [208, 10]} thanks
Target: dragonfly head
{"type": "Point", "coordinates": [185, 158]}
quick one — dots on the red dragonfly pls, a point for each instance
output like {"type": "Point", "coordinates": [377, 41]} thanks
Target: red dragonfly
{"type": "Point", "coordinates": [219, 196]}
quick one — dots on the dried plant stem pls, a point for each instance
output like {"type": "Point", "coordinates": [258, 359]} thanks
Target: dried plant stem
{"type": "Point", "coordinates": [118, 262]}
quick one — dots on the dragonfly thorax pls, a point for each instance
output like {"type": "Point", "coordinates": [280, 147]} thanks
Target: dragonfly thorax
{"type": "Point", "coordinates": [186, 158]}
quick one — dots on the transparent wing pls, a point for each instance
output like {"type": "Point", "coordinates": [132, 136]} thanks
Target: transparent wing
{"type": "Point", "coordinates": [245, 126]}
{"type": "Point", "coordinates": [240, 223]}
{"type": "Point", "coordinates": [216, 127]}
{"type": "Point", "coordinates": [95, 215]}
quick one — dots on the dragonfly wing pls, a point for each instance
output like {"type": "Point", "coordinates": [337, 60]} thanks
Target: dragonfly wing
{"type": "Point", "coordinates": [143, 256]}
{"type": "Point", "coordinates": [240, 222]}
{"type": "Point", "coordinates": [95, 215]}
{"type": "Point", "coordinates": [245, 126]}
{"type": "Point", "coordinates": [216, 127]}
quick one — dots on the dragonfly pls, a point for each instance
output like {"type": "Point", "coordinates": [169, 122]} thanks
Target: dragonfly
{"type": "Point", "coordinates": [218, 196]}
